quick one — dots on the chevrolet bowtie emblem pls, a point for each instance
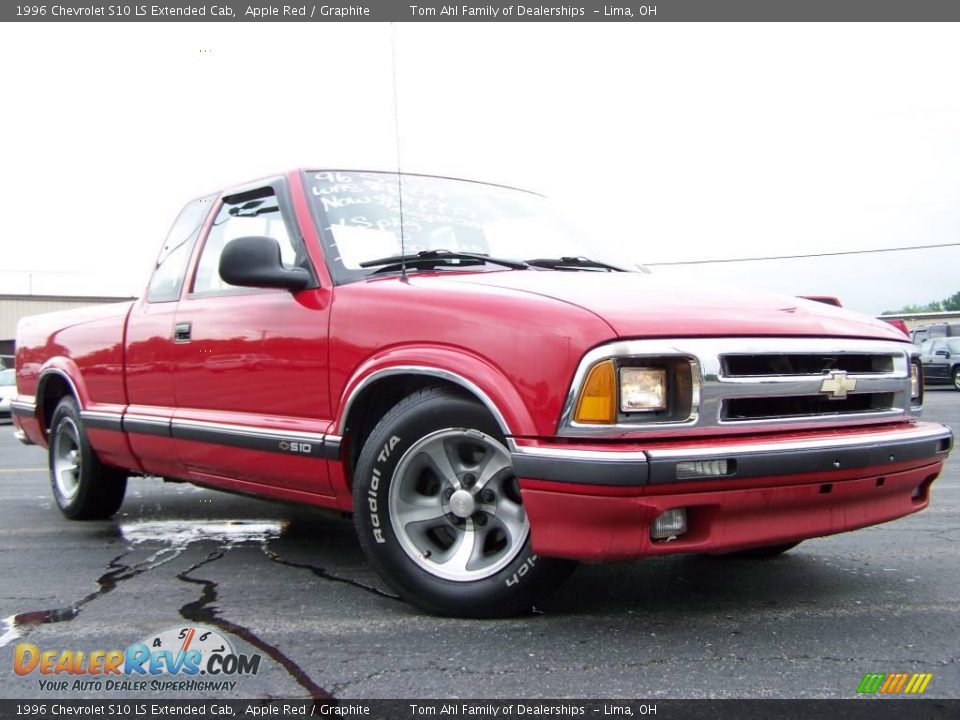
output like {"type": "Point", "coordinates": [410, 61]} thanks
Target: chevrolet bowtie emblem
{"type": "Point", "coordinates": [837, 385]}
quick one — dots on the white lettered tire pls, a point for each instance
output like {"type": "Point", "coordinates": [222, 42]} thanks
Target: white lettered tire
{"type": "Point", "coordinates": [438, 510]}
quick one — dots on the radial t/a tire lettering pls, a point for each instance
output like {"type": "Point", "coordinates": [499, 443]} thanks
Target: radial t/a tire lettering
{"type": "Point", "coordinates": [439, 513]}
{"type": "Point", "coordinates": [84, 488]}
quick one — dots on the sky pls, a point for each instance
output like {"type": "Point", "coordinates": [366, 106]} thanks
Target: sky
{"type": "Point", "coordinates": [665, 142]}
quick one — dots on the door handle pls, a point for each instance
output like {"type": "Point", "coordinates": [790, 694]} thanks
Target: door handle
{"type": "Point", "coordinates": [181, 332]}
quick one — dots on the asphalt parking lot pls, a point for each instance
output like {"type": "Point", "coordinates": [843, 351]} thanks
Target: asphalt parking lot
{"type": "Point", "coordinates": [291, 584]}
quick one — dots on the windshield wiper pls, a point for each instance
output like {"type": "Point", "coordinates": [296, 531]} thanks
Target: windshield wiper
{"type": "Point", "coordinates": [434, 258]}
{"type": "Point", "coordinates": [573, 263]}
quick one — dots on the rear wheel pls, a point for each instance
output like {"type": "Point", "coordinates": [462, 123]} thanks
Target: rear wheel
{"type": "Point", "coordinates": [439, 511]}
{"type": "Point", "coordinates": [761, 553]}
{"type": "Point", "coordinates": [84, 488]}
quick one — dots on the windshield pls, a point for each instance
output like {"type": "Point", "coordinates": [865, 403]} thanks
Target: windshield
{"type": "Point", "coordinates": [7, 377]}
{"type": "Point", "coordinates": [359, 213]}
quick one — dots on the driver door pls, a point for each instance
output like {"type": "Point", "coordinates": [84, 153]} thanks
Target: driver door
{"type": "Point", "coordinates": [250, 374]}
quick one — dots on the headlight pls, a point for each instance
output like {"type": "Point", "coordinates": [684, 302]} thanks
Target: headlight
{"type": "Point", "coordinates": [643, 389]}
{"type": "Point", "coordinates": [634, 390]}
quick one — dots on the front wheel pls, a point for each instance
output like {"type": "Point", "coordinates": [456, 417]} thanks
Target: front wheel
{"type": "Point", "coordinates": [84, 488]}
{"type": "Point", "coordinates": [956, 378]}
{"type": "Point", "coordinates": [439, 513]}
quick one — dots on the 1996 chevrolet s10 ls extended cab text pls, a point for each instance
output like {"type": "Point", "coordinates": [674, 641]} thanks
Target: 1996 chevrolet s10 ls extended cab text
{"type": "Point", "coordinates": [488, 403]}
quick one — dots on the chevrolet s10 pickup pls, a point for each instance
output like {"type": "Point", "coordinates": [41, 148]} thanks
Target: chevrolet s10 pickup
{"type": "Point", "coordinates": [446, 361]}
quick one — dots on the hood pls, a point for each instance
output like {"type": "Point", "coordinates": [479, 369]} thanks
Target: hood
{"type": "Point", "coordinates": [637, 305]}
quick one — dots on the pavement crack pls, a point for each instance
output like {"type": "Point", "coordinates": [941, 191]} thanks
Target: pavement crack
{"type": "Point", "coordinates": [369, 677]}
{"type": "Point", "coordinates": [22, 624]}
{"type": "Point", "coordinates": [203, 610]}
{"type": "Point", "coordinates": [325, 575]}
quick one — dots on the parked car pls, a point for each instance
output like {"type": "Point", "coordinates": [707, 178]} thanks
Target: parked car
{"type": "Point", "coordinates": [8, 389]}
{"type": "Point", "coordinates": [489, 404]}
{"type": "Point", "coordinates": [941, 361]}
{"type": "Point", "coordinates": [935, 330]}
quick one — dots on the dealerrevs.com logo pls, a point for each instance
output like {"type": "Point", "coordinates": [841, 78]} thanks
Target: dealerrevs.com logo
{"type": "Point", "coordinates": [187, 659]}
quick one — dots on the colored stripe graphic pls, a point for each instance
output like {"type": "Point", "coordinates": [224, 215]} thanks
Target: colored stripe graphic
{"type": "Point", "coordinates": [871, 683]}
{"type": "Point", "coordinates": [919, 683]}
{"type": "Point", "coordinates": [894, 683]}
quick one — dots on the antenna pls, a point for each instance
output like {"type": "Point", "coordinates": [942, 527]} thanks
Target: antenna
{"type": "Point", "coordinates": [396, 127]}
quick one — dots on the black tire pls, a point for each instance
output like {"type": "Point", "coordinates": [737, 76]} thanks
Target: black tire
{"type": "Point", "coordinates": [517, 577]}
{"type": "Point", "coordinates": [761, 553]}
{"type": "Point", "coordinates": [93, 491]}
{"type": "Point", "coordinates": [956, 378]}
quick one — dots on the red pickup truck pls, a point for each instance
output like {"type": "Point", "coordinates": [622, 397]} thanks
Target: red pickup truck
{"type": "Point", "coordinates": [441, 359]}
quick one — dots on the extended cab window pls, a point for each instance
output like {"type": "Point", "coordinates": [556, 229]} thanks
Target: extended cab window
{"type": "Point", "coordinates": [240, 218]}
{"type": "Point", "coordinates": [172, 262]}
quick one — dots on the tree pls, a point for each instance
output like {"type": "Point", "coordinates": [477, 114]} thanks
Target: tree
{"type": "Point", "coordinates": [934, 306]}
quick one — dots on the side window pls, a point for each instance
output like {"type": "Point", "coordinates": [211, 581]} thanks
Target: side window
{"type": "Point", "coordinates": [172, 262]}
{"type": "Point", "coordinates": [239, 218]}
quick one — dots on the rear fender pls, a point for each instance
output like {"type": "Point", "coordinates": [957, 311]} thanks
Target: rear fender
{"type": "Point", "coordinates": [68, 370]}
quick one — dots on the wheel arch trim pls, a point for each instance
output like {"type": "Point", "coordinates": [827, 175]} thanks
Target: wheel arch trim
{"type": "Point", "coordinates": [356, 387]}
{"type": "Point", "coordinates": [54, 367]}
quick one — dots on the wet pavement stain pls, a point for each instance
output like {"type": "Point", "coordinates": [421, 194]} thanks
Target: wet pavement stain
{"type": "Point", "coordinates": [203, 610]}
{"type": "Point", "coordinates": [15, 626]}
{"type": "Point", "coordinates": [180, 533]}
{"type": "Point", "coordinates": [20, 625]}
{"type": "Point", "coordinates": [177, 536]}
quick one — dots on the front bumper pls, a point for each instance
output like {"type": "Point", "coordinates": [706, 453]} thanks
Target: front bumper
{"type": "Point", "coordinates": [593, 505]}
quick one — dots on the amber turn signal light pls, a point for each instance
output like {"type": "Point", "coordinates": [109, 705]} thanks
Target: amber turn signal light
{"type": "Point", "coordinates": [597, 403]}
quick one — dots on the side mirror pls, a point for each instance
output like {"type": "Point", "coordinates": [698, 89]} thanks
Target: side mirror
{"type": "Point", "coordinates": [254, 261]}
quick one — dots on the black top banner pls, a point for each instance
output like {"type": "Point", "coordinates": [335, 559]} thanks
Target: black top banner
{"type": "Point", "coordinates": [533, 11]}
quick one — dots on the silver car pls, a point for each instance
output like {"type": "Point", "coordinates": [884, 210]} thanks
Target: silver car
{"type": "Point", "coordinates": [8, 390]}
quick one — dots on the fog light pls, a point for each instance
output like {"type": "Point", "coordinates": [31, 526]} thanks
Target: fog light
{"type": "Point", "coordinates": [669, 524]}
{"type": "Point", "coordinates": [702, 469]}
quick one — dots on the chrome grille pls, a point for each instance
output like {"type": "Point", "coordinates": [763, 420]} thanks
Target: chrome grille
{"type": "Point", "coordinates": [783, 383]}
{"type": "Point", "coordinates": [738, 409]}
{"type": "Point", "coordinates": [806, 364]}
